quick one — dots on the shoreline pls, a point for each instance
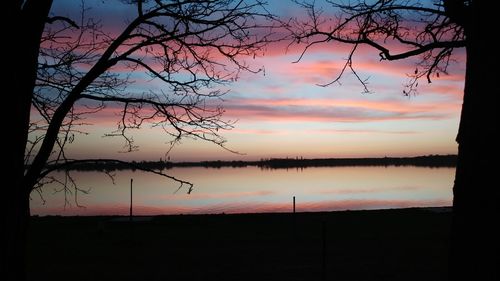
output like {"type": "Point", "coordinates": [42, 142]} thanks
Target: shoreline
{"type": "Point", "coordinates": [437, 209]}
{"type": "Point", "coordinates": [389, 244]}
{"type": "Point", "coordinates": [431, 161]}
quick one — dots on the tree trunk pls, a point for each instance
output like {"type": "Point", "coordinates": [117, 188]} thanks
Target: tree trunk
{"type": "Point", "coordinates": [23, 33]}
{"type": "Point", "coordinates": [15, 229]}
{"type": "Point", "coordinates": [474, 241]}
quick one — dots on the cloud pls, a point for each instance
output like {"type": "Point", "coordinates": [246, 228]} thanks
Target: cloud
{"type": "Point", "coordinates": [237, 130]}
{"type": "Point", "coordinates": [449, 89]}
{"type": "Point", "coordinates": [329, 110]}
{"type": "Point", "coordinates": [322, 67]}
{"type": "Point", "coordinates": [309, 110]}
{"type": "Point", "coordinates": [365, 131]}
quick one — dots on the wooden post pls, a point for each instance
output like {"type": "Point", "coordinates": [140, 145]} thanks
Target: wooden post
{"type": "Point", "coordinates": [323, 250]}
{"type": "Point", "coordinates": [131, 182]}
{"type": "Point", "coordinates": [294, 204]}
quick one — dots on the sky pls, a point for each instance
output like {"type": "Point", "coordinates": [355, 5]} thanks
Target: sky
{"type": "Point", "coordinates": [282, 112]}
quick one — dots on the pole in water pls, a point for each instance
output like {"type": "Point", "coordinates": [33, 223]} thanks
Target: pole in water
{"type": "Point", "coordinates": [131, 181]}
{"type": "Point", "coordinates": [294, 204]}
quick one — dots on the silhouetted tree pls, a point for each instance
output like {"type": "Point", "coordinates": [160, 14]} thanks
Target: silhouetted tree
{"type": "Point", "coordinates": [61, 69]}
{"type": "Point", "coordinates": [432, 30]}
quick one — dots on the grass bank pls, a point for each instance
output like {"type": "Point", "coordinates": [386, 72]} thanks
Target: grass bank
{"type": "Point", "coordinates": [398, 244]}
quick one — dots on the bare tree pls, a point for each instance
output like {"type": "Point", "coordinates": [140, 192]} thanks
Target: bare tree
{"type": "Point", "coordinates": [68, 68]}
{"type": "Point", "coordinates": [431, 31]}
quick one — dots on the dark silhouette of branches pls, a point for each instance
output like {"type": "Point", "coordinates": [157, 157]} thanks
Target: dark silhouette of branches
{"type": "Point", "coordinates": [69, 163]}
{"type": "Point", "coordinates": [72, 66]}
{"type": "Point", "coordinates": [397, 29]}
{"type": "Point", "coordinates": [431, 31]}
{"type": "Point", "coordinates": [70, 188]}
{"type": "Point", "coordinates": [190, 47]}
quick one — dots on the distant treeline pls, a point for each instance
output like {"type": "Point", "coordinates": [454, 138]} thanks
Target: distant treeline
{"type": "Point", "coordinates": [276, 163]}
{"type": "Point", "coordinates": [421, 161]}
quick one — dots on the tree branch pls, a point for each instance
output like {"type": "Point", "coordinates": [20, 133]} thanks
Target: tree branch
{"type": "Point", "coordinates": [173, 41]}
{"type": "Point", "coordinates": [69, 163]}
{"type": "Point", "coordinates": [69, 21]}
{"type": "Point", "coordinates": [420, 30]}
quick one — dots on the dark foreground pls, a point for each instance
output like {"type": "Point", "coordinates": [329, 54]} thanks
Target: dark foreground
{"type": "Point", "coordinates": [405, 244]}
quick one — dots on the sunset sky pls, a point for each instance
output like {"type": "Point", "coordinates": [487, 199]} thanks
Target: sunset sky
{"type": "Point", "coordinates": [282, 112]}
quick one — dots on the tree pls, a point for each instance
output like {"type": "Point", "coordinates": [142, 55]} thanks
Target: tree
{"type": "Point", "coordinates": [400, 29]}
{"type": "Point", "coordinates": [68, 68]}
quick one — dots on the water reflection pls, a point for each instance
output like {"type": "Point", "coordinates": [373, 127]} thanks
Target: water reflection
{"type": "Point", "coordinates": [251, 189]}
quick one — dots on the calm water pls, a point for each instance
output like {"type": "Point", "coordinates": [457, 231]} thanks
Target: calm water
{"type": "Point", "coordinates": [242, 190]}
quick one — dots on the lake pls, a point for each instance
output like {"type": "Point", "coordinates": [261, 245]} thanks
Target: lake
{"type": "Point", "coordinates": [248, 190]}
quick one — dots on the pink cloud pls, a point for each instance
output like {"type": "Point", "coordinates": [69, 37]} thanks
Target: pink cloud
{"type": "Point", "coordinates": [332, 110]}
{"type": "Point", "coordinates": [392, 105]}
{"type": "Point", "coordinates": [255, 131]}
{"type": "Point", "coordinates": [325, 70]}
{"type": "Point", "coordinates": [367, 131]}
{"type": "Point", "coordinates": [453, 89]}
{"type": "Point", "coordinates": [307, 110]}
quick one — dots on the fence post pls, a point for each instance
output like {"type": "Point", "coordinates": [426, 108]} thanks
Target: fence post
{"type": "Point", "coordinates": [130, 215]}
{"type": "Point", "coordinates": [323, 250]}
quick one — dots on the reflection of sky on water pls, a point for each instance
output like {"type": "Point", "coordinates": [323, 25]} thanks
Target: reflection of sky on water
{"type": "Point", "coordinates": [245, 190]}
